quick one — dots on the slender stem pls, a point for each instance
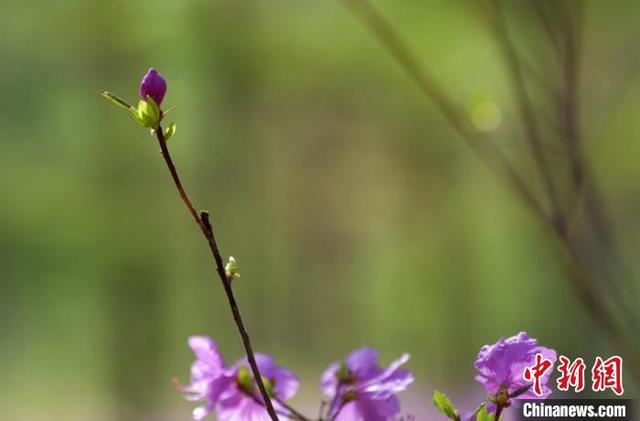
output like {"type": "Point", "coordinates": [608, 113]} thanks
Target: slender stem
{"type": "Point", "coordinates": [288, 415]}
{"type": "Point", "coordinates": [581, 278]}
{"type": "Point", "coordinates": [548, 26]}
{"type": "Point", "coordinates": [499, 409]}
{"type": "Point", "coordinates": [570, 109]}
{"type": "Point", "coordinates": [294, 413]}
{"type": "Point", "coordinates": [202, 220]}
{"type": "Point", "coordinates": [332, 405]}
{"type": "Point", "coordinates": [323, 404]}
{"type": "Point", "coordinates": [527, 113]}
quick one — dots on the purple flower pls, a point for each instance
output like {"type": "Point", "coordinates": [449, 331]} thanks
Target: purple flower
{"type": "Point", "coordinates": [153, 85]}
{"type": "Point", "coordinates": [502, 364]}
{"type": "Point", "coordinates": [237, 404]}
{"type": "Point", "coordinates": [225, 389]}
{"type": "Point", "coordinates": [360, 390]}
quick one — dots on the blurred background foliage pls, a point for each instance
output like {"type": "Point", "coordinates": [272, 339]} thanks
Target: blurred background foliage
{"type": "Point", "coordinates": [357, 215]}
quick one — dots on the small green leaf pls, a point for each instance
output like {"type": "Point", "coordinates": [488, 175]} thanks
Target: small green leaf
{"type": "Point", "coordinates": [147, 113]}
{"type": "Point", "coordinates": [154, 109]}
{"type": "Point", "coordinates": [343, 374]}
{"type": "Point", "coordinates": [484, 415]}
{"type": "Point", "coordinates": [269, 385]}
{"type": "Point", "coordinates": [444, 405]}
{"type": "Point", "coordinates": [231, 269]}
{"type": "Point", "coordinates": [169, 131]}
{"type": "Point", "coordinates": [138, 117]}
{"type": "Point", "coordinates": [116, 100]}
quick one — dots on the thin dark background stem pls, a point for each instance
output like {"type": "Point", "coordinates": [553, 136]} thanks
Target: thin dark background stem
{"type": "Point", "coordinates": [203, 222]}
{"type": "Point", "coordinates": [293, 413]}
{"type": "Point", "coordinates": [593, 289]}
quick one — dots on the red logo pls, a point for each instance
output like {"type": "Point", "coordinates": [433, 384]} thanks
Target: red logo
{"type": "Point", "coordinates": [607, 375]}
{"type": "Point", "coordinates": [535, 372]}
{"type": "Point", "coordinates": [572, 374]}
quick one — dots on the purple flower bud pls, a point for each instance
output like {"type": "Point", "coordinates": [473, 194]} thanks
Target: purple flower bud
{"type": "Point", "coordinates": [153, 85]}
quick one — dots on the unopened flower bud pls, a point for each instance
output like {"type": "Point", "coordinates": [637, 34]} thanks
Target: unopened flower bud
{"type": "Point", "coordinates": [153, 85]}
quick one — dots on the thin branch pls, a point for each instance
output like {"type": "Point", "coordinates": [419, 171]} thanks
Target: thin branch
{"type": "Point", "coordinates": [570, 109]}
{"type": "Point", "coordinates": [527, 113]}
{"type": "Point", "coordinates": [323, 404]}
{"type": "Point", "coordinates": [548, 26]}
{"type": "Point", "coordinates": [294, 413]}
{"type": "Point", "coordinates": [202, 220]}
{"type": "Point", "coordinates": [580, 278]}
{"type": "Point", "coordinates": [280, 412]}
{"type": "Point", "coordinates": [579, 177]}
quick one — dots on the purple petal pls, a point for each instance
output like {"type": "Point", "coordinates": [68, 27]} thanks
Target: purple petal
{"type": "Point", "coordinates": [363, 363]}
{"type": "Point", "coordinates": [209, 363]}
{"type": "Point", "coordinates": [392, 380]}
{"type": "Point", "coordinates": [370, 410]}
{"type": "Point", "coordinates": [238, 407]}
{"type": "Point", "coordinates": [328, 382]}
{"type": "Point", "coordinates": [518, 371]}
{"type": "Point", "coordinates": [153, 85]}
{"type": "Point", "coordinates": [202, 411]}
{"type": "Point", "coordinates": [350, 412]}
{"type": "Point", "coordinates": [502, 364]}
{"type": "Point", "coordinates": [286, 383]}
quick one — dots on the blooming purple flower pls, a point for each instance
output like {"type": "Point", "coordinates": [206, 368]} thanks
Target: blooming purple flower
{"type": "Point", "coordinates": [237, 404]}
{"type": "Point", "coordinates": [502, 364]}
{"type": "Point", "coordinates": [360, 390]}
{"type": "Point", "coordinates": [153, 85]}
{"type": "Point", "coordinates": [225, 389]}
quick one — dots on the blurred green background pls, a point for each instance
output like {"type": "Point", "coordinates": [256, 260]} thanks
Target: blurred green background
{"type": "Point", "coordinates": [357, 215]}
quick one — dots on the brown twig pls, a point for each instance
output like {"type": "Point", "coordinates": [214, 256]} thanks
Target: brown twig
{"type": "Point", "coordinates": [280, 412]}
{"type": "Point", "coordinates": [294, 413]}
{"type": "Point", "coordinates": [202, 220]}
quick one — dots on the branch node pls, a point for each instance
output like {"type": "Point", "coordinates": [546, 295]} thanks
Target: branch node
{"type": "Point", "coordinates": [204, 217]}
